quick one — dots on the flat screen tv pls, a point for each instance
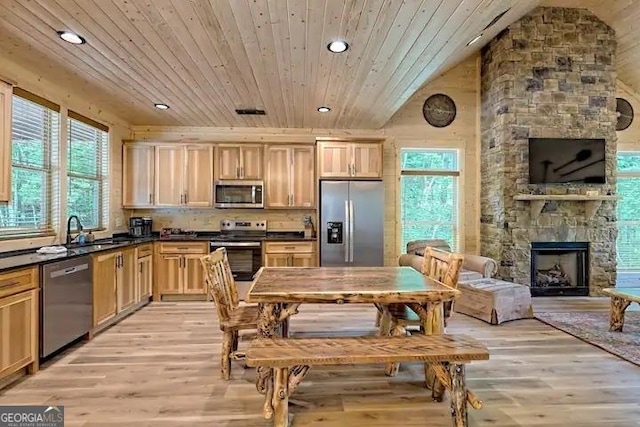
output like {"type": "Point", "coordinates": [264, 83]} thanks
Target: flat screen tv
{"type": "Point", "coordinates": [564, 160]}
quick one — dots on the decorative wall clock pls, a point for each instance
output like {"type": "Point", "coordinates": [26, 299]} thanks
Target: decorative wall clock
{"type": "Point", "coordinates": [439, 110]}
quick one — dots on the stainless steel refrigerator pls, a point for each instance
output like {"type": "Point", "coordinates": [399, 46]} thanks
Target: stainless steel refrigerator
{"type": "Point", "coordinates": [351, 223]}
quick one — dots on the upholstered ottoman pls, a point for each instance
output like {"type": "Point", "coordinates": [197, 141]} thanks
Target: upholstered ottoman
{"type": "Point", "coordinates": [493, 300]}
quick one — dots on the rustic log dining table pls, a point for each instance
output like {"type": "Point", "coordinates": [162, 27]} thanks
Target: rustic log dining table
{"type": "Point", "coordinates": [280, 290]}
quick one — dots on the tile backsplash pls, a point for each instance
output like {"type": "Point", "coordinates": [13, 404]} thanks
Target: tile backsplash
{"type": "Point", "coordinates": [209, 219]}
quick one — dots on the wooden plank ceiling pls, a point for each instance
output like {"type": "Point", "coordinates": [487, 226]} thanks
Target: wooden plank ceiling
{"type": "Point", "coordinates": [205, 58]}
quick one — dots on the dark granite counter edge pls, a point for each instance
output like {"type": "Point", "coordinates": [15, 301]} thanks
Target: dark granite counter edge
{"type": "Point", "coordinates": [29, 258]}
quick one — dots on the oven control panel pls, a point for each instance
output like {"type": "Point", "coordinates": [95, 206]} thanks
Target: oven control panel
{"type": "Point", "coordinates": [238, 225]}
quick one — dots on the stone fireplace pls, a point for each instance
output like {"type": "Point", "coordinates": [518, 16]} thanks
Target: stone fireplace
{"type": "Point", "coordinates": [550, 75]}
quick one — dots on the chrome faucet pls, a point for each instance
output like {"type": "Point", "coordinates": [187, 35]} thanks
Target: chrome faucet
{"type": "Point", "coordinates": [78, 227]}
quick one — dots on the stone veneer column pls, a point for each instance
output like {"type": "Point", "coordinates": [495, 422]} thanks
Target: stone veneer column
{"type": "Point", "coordinates": [551, 74]}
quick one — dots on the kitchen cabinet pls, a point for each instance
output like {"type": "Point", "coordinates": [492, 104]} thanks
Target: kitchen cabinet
{"type": "Point", "coordinates": [19, 321]}
{"type": "Point", "coordinates": [338, 159]}
{"type": "Point", "coordinates": [290, 179]}
{"type": "Point", "coordinates": [114, 283]}
{"type": "Point", "coordinates": [144, 280]}
{"type": "Point", "coordinates": [138, 175]}
{"type": "Point", "coordinates": [289, 254]}
{"type": "Point", "coordinates": [126, 288]}
{"type": "Point", "coordinates": [106, 269]}
{"type": "Point", "coordinates": [6, 97]}
{"type": "Point", "coordinates": [239, 162]}
{"type": "Point", "coordinates": [184, 175]}
{"type": "Point", "coordinates": [178, 268]}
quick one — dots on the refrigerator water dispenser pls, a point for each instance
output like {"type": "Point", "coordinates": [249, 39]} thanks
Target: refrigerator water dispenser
{"type": "Point", "coordinates": [334, 233]}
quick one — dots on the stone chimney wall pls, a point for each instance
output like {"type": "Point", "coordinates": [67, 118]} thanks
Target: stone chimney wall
{"type": "Point", "coordinates": [550, 75]}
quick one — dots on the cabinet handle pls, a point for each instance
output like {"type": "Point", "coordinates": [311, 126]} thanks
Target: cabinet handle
{"type": "Point", "coordinates": [140, 268]}
{"type": "Point", "coordinates": [237, 171]}
{"type": "Point", "coordinates": [150, 198]}
{"type": "Point", "coordinates": [11, 283]}
{"type": "Point", "coordinates": [291, 248]}
{"type": "Point", "coordinates": [290, 261]}
{"type": "Point", "coordinates": [241, 171]}
{"type": "Point", "coordinates": [185, 198]}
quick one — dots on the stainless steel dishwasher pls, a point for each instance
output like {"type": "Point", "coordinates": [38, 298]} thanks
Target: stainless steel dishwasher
{"type": "Point", "coordinates": [66, 297]}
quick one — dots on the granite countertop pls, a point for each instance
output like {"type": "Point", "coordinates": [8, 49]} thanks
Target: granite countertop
{"type": "Point", "coordinates": [25, 258]}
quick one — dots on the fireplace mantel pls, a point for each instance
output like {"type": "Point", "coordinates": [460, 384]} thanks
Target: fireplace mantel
{"type": "Point", "coordinates": [592, 203]}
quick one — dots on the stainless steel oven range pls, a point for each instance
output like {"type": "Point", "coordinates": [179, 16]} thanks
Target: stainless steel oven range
{"type": "Point", "coordinates": [243, 241]}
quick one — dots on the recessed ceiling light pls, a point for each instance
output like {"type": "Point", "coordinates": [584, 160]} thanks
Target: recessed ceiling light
{"type": "Point", "coordinates": [476, 38]}
{"type": "Point", "coordinates": [324, 109]}
{"type": "Point", "coordinates": [161, 106]}
{"type": "Point", "coordinates": [338, 46]}
{"type": "Point", "coordinates": [71, 37]}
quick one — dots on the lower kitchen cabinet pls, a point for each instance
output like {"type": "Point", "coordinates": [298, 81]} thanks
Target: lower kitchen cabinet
{"type": "Point", "coordinates": [116, 287]}
{"type": "Point", "coordinates": [144, 279]}
{"type": "Point", "coordinates": [178, 268]}
{"type": "Point", "coordinates": [127, 286]}
{"type": "Point", "coordinates": [106, 272]}
{"type": "Point", "coordinates": [19, 321]}
{"type": "Point", "coordinates": [169, 277]}
{"type": "Point", "coordinates": [289, 254]}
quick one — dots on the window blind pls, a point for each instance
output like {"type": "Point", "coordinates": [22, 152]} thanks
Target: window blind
{"type": "Point", "coordinates": [628, 211]}
{"type": "Point", "coordinates": [34, 137]}
{"type": "Point", "coordinates": [429, 191]}
{"type": "Point", "coordinates": [87, 171]}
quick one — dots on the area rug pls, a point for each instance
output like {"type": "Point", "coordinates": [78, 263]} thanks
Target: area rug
{"type": "Point", "coordinates": [593, 328]}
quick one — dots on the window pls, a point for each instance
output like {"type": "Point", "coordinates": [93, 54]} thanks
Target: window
{"type": "Point", "coordinates": [628, 188]}
{"type": "Point", "coordinates": [34, 138]}
{"type": "Point", "coordinates": [87, 170]}
{"type": "Point", "coordinates": [429, 195]}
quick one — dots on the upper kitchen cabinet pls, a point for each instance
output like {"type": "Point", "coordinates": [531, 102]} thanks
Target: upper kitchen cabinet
{"type": "Point", "coordinates": [339, 159]}
{"type": "Point", "coordinates": [290, 179]}
{"type": "Point", "coordinates": [138, 175]}
{"type": "Point", "coordinates": [239, 161]}
{"type": "Point", "coordinates": [185, 175]}
{"type": "Point", "coordinates": [6, 92]}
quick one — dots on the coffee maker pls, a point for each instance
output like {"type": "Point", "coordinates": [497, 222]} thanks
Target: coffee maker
{"type": "Point", "coordinates": [140, 226]}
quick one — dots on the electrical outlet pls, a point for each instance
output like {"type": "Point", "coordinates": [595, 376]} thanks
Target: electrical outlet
{"type": "Point", "coordinates": [118, 222]}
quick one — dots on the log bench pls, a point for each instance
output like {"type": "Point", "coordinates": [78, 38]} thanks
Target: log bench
{"type": "Point", "coordinates": [290, 359]}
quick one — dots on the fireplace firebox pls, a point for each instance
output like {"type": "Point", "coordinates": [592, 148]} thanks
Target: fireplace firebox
{"type": "Point", "coordinates": [559, 268]}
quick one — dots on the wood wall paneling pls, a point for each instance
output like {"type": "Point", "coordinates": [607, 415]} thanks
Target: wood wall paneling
{"type": "Point", "coordinates": [408, 128]}
{"type": "Point", "coordinates": [5, 141]}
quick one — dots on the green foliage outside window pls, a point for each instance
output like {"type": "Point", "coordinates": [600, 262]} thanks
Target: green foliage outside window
{"type": "Point", "coordinates": [628, 188]}
{"type": "Point", "coordinates": [86, 164]}
{"type": "Point", "coordinates": [429, 202]}
{"type": "Point", "coordinates": [34, 135]}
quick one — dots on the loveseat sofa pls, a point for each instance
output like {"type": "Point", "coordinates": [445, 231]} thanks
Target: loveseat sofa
{"type": "Point", "coordinates": [482, 296]}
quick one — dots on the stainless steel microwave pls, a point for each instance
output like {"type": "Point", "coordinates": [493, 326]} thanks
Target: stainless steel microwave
{"type": "Point", "coordinates": [238, 194]}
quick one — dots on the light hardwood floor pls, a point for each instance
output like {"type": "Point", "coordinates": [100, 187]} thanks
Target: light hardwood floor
{"type": "Point", "coordinates": [160, 367]}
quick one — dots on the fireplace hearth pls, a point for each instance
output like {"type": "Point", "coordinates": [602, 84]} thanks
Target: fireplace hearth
{"type": "Point", "coordinates": [559, 268]}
